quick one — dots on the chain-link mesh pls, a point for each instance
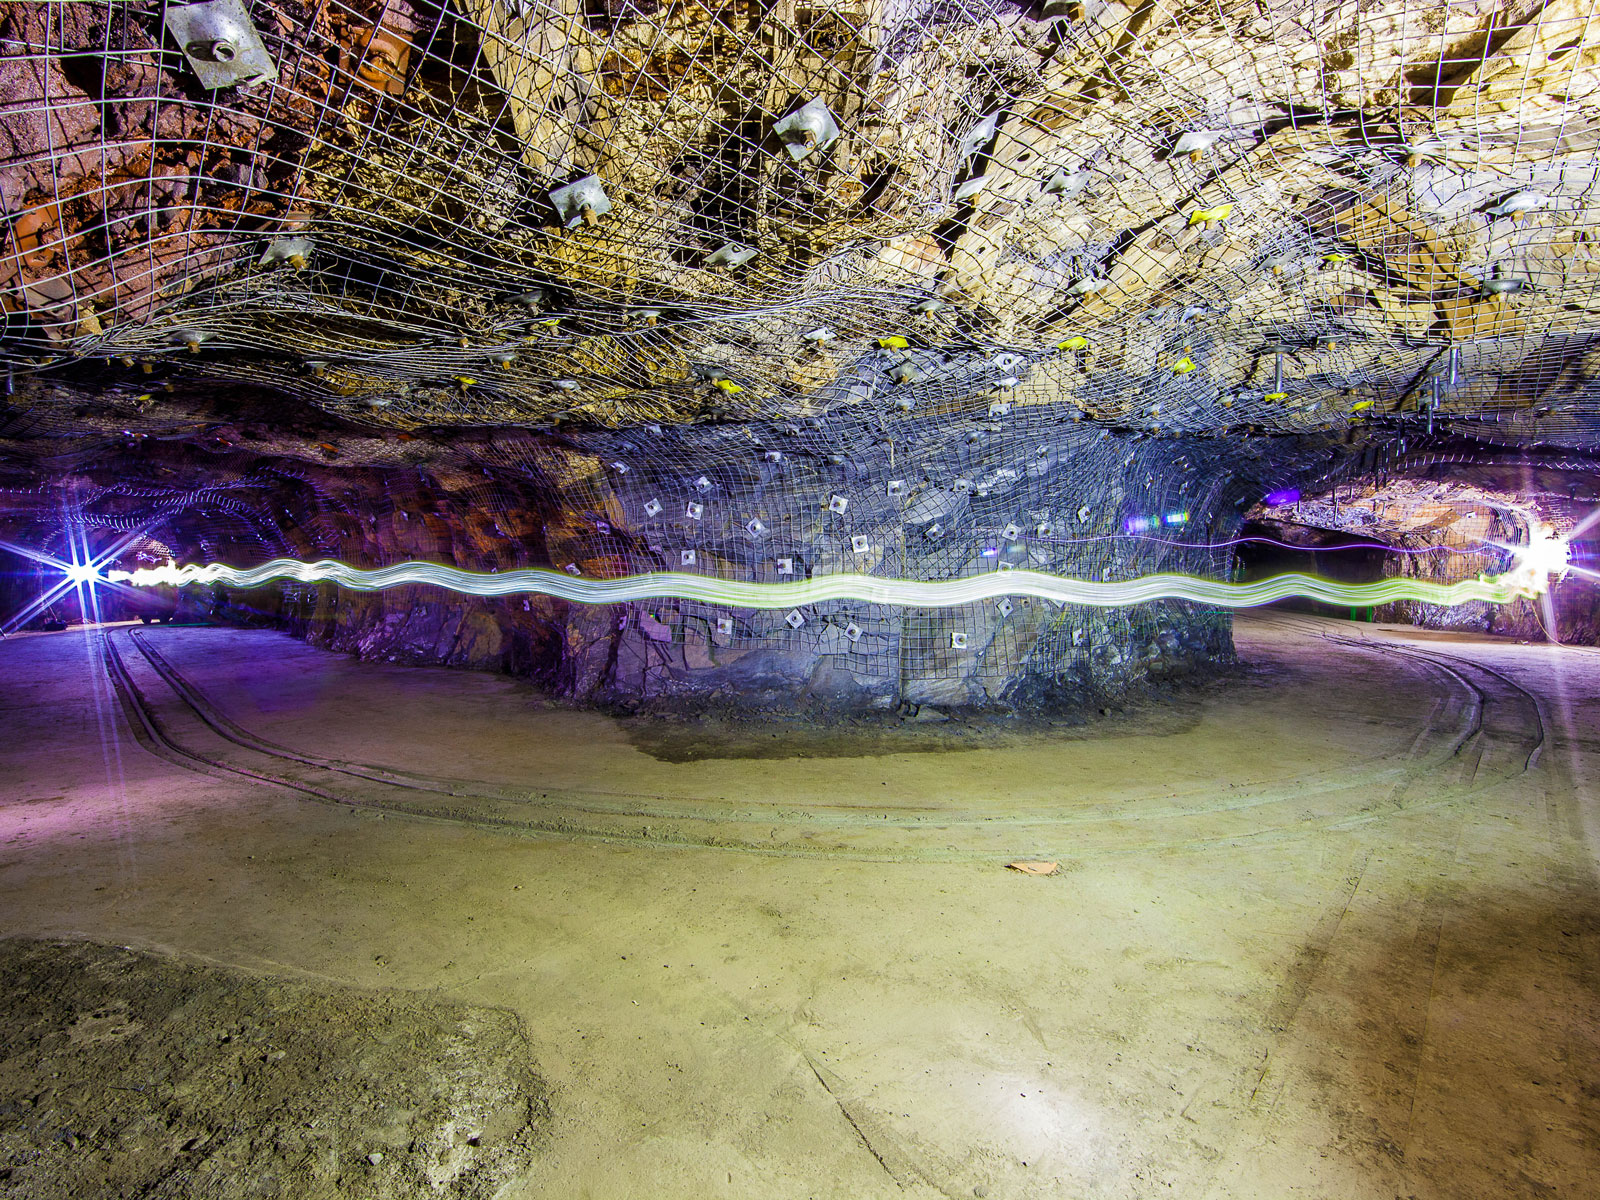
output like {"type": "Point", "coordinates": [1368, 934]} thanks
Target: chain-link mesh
{"type": "Point", "coordinates": [912, 289]}
{"type": "Point", "coordinates": [1252, 217]}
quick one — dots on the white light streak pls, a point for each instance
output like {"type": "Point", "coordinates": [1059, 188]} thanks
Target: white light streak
{"type": "Point", "coordinates": [908, 593]}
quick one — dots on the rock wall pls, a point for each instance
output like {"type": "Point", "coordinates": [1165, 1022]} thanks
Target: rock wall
{"type": "Point", "coordinates": [925, 494]}
{"type": "Point", "coordinates": [442, 513]}
{"type": "Point", "coordinates": [1447, 530]}
{"type": "Point", "coordinates": [1570, 614]}
{"type": "Point", "coordinates": [1575, 604]}
{"type": "Point", "coordinates": [948, 500]}
{"type": "Point", "coordinates": [741, 502]}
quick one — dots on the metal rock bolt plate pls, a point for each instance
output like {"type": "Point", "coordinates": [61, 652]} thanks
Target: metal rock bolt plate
{"type": "Point", "coordinates": [583, 201]}
{"type": "Point", "coordinates": [809, 127]}
{"type": "Point", "coordinates": [733, 254]}
{"type": "Point", "coordinates": [221, 44]}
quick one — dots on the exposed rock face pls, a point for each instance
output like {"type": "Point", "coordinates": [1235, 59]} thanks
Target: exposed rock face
{"type": "Point", "coordinates": [1445, 531]}
{"type": "Point", "coordinates": [770, 514]}
{"type": "Point", "coordinates": [749, 509]}
{"type": "Point", "coordinates": [129, 1074]}
{"type": "Point", "coordinates": [1575, 605]}
{"type": "Point", "coordinates": [584, 285]}
{"type": "Point", "coordinates": [964, 494]}
{"type": "Point", "coordinates": [125, 181]}
{"type": "Point", "coordinates": [1250, 220]}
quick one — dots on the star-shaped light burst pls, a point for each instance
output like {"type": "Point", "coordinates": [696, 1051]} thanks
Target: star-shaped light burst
{"type": "Point", "coordinates": [82, 569]}
{"type": "Point", "coordinates": [1539, 563]}
{"type": "Point", "coordinates": [1544, 558]}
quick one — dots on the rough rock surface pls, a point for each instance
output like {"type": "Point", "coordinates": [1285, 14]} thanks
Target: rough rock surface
{"type": "Point", "coordinates": [972, 493]}
{"type": "Point", "coordinates": [1097, 273]}
{"type": "Point", "coordinates": [1447, 530]}
{"type": "Point", "coordinates": [128, 1074]}
{"type": "Point", "coordinates": [1360, 191]}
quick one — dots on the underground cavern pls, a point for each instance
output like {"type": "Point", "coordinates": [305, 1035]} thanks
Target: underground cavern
{"type": "Point", "coordinates": [914, 598]}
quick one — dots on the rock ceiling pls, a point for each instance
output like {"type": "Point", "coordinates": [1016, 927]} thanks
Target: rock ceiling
{"type": "Point", "coordinates": [1165, 217]}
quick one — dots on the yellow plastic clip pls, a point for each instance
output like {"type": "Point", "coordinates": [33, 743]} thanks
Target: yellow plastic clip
{"type": "Point", "coordinates": [894, 343]}
{"type": "Point", "coordinates": [1074, 343]}
{"type": "Point", "coordinates": [1276, 396]}
{"type": "Point", "coordinates": [1335, 258]}
{"type": "Point", "coordinates": [1204, 216]}
{"type": "Point", "coordinates": [465, 381]}
{"type": "Point", "coordinates": [1183, 366]}
{"type": "Point", "coordinates": [1360, 405]}
{"type": "Point", "coordinates": [727, 385]}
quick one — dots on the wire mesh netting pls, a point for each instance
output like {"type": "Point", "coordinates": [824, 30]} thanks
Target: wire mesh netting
{"type": "Point", "coordinates": [930, 497]}
{"type": "Point", "coordinates": [499, 211]}
{"type": "Point", "coordinates": [901, 288]}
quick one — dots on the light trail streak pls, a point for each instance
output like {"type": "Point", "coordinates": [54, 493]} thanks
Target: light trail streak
{"type": "Point", "coordinates": [1584, 525]}
{"type": "Point", "coordinates": [908, 593]}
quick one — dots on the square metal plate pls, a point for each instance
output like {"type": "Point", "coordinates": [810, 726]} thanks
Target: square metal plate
{"type": "Point", "coordinates": [811, 118]}
{"type": "Point", "coordinates": [571, 199]}
{"type": "Point", "coordinates": [221, 43]}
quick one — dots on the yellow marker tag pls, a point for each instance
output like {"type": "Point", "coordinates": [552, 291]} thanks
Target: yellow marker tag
{"type": "Point", "coordinates": [1074, 343]}
{"type": "Point", "coordinates": [1184, 365]}
{"type": "Point", "coordinates": [1361, 405]}
{"type": "Point", "coordinates": [1276, 396]}
{"type": "Point", "coordinates": [1220, 213]}
{"type": "Point", "coordinates": [894, 343]}
{"type": "Point", "coordinates": [728, 386]}
{"type": "Point", "coordinates": [1335, 258]}
{"type": "Point", "coordinates": [465, 381]}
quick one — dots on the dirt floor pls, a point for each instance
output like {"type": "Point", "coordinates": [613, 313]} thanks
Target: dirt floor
{"type": "Point", "coordinates": [1331, 929]}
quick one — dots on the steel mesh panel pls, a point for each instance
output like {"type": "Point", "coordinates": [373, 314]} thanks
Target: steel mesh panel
{"type": "Point", "coordinates": [1363, 183]}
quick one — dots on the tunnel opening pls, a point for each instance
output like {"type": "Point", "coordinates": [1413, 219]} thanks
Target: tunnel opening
{"type": "Point", "coordinates": [1328, 554]}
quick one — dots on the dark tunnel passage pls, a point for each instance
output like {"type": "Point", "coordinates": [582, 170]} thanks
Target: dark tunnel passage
{"type": "Point", "coordinates": [1338, 556]}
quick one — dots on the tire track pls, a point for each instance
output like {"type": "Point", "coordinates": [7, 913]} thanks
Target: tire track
{"type": "Point", "coordinates": [179, 722]}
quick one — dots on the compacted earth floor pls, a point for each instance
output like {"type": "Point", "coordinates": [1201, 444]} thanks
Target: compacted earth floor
{"type": "Point", "coordinates": [274, 922]}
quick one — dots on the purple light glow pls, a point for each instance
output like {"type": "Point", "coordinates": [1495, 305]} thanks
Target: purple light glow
{"type": "Point", "coordinates": [1281, 497]}
{"type": "Point", "coordinates": [81, 571]}
{"type": "Point", "coordinates": [1160, 541]}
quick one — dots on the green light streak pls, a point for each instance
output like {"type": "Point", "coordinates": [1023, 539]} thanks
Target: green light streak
{"type": "Point", "coordinates": [907, 593]}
